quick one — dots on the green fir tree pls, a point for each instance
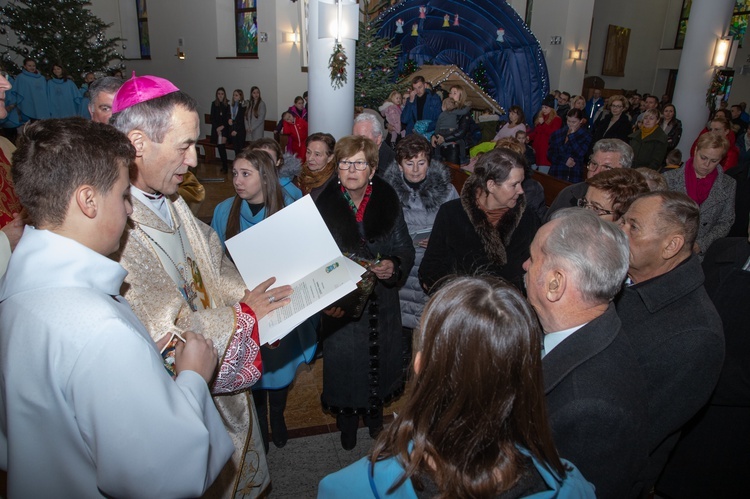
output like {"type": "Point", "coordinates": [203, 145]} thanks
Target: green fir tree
{"type": "Point", "coordinates": [376, 60]}
{"type": "Point", "coordinates": [63, 32]}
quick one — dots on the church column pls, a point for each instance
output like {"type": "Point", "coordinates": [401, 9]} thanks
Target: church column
{"type": "Point", "coordinates": [709, 20]}
{"type": "Point", "coordinates": [330, 109]}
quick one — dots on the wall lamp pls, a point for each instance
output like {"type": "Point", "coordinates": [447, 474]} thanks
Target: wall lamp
{"type": "Point", "coordinates": [292, 37]}
{"type": "Point", "coordinates": [577, 55]}
{"type": "Point", "coordinates": [725, 52]}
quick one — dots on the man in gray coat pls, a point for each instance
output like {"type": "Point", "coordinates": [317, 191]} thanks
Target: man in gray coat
{"type": "Point", "coordinates": [669, 319]}
{"type": "Point", "coordinates": [595, 393]}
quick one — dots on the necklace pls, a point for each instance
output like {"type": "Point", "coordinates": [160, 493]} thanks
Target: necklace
{"type": "Point", "coordinates": [188, 287]}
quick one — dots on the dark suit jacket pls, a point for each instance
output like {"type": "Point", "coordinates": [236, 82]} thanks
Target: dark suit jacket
{"type": "Point", "coordinates": [597, 404]}
{"type": "Point", "coordinates": [567, 198]}
{"type": "Point", "coordinates": [677, 337]}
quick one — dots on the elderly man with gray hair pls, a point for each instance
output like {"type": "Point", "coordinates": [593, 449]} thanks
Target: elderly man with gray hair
{"type": "Point", "coordinates": [606, 155]}
{"type": "Point", "coordinates": [367, 124]}
{"type": "Point", "coordinates": [669, 318]}
{"type": "Point", "coordinates": [594, 390]}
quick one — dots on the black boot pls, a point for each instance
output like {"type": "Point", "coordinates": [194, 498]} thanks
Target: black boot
{"type": "Point", "coordinates": [223, 155]}
{"type": "Point", "coordinates": [348, 426]}
{"type": "Point", "coordinates": [277, 403]}
{"type": "Point", "coordinates": [261, 401]}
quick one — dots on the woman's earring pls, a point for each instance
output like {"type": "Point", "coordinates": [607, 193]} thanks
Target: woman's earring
{"type": "Point", "coordinates": [339, 181]}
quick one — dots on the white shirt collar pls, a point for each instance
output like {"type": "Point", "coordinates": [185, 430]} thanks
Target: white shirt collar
{"type": "Point", "coordinates": [551, 340]}
{"type": "Point", "coordinates": [156, 204]}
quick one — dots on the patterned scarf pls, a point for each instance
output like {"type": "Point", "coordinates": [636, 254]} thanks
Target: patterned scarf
{"type": "Point", "coordinates": [309, 180]}
{"type": "Point", "coordinates": [359, 212]}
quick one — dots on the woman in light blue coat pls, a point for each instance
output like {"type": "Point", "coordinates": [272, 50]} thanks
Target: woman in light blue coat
{"type": "Point", "coordinates": [259, 195]}
{"type": "Point", "coordinates": [475, 424]}
{"type": "Point", "coordinates": [422, 185]}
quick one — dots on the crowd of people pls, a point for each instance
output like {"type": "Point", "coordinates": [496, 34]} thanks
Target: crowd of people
{"type": "Point", "coordinates": [573, 351]}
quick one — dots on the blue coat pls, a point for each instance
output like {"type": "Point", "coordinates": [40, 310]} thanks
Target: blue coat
{"type": "Point", "coordinates": [280, 363]}
{"type": "Point", "coordinates": [64, 98]}
{"type": "Point", "coordinates": [433, 106]}
{"type": "Point", "coordinates": [355, 481]}
{"type": "Point", "coordinates": [32, 98]}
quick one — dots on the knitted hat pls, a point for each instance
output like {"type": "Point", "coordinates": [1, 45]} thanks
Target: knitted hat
{"type": "Point", "coordinates": [549, 101]}
{"type": "Point", "coordinates": [140, 89]}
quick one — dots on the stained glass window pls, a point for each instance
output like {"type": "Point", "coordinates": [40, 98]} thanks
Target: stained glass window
{"type": "Point", "coordinates": [246, 27]}
{"type": "Point", "coordinates": [737, 28]}
{"type": "Point", "coordinates": [143, 40]}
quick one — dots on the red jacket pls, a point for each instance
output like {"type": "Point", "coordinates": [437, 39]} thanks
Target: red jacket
{"type": "Point", "coordinates": [297, 132]}
{"type": "Point", "coordinates": [540, 139]}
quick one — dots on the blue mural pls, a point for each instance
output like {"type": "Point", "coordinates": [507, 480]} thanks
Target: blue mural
{"type": "Point", "coordinates": [474, 35]}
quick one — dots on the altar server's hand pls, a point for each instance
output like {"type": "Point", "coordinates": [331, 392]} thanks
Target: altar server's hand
{"type": "Point", "coordinates": [264, 301]}
{"type": "Point", "coordinates": [197, 354]}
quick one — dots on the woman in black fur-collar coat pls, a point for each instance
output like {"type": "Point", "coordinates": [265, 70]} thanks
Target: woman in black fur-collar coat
{"type": "Point", "coordinates": [364, 362]}
{"type": "Point", "coordinates": [488, 230]}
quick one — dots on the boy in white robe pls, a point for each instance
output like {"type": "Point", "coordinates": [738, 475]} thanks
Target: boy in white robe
{"type": "Point", "coordinates": [87, 408]}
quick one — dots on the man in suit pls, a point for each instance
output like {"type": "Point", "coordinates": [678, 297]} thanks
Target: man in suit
{"type": "Point", "coordinates": [592, 106]}
{"type": "Point", "coordinates": [593, 386]}
{"type": "Point", "coordinates": [607, 154]}
{"type": "Point", "coordinates": [367, 125]}
{"type": "Point", "coordinates": [669, 319]}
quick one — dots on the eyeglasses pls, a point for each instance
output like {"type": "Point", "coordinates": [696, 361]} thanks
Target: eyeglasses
{"type": "Point", "coordinates": [593, 165]}
{"type": "Point", "coordinates": [616, 106]}
{"type": "Point", "coordinates": [347, 165]}
{"type": "Point", "coordinates": [583, 203]}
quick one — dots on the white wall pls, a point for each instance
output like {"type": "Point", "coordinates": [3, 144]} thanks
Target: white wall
{"type": "Point", "coordinates": [207, 29]}
{"type": "Point", "coordinates": [570, 19]}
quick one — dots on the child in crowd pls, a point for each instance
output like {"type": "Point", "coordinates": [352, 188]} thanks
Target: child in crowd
{"type": "Point", "coordinates": [391, 110]}
{"type": "Point", "coordinates": [674, 159]}
{"type": "Point", "coordinates": [523, 137]}
{"type": "Point", "coordinates": [86, 403]}
{"type": "Point", "coordinates": [296, 129]}
{"type": "Point", "coordinates": [448, 119]}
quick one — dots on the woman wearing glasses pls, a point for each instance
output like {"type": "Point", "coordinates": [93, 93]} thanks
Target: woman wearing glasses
{"type": "Point", "coordinates": [616, 123]}
{"type": "Point", "coordinates": [364, 362]}
{"type": "Point", "coordinates": [611, 192]}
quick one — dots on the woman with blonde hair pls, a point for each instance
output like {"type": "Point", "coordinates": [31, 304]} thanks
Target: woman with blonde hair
{"type": "Point", "coordinates": [391, 110]}
{"type": "Point", "coordinates": [614, 122]}
{"type": "Point", "coordinates": [475, 423]}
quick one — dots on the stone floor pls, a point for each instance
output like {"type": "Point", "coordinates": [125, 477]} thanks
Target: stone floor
{"type": "Point", "coordinates": [313, 450]}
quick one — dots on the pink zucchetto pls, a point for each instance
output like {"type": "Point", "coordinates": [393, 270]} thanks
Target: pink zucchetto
{"type": "Point", "coordinates": [140, 89]}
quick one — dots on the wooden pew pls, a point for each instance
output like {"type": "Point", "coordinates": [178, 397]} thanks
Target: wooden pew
{"type": "Point", "coordinates": [209, 148]}
{"type": "Point", "coordinates": [552, 186]}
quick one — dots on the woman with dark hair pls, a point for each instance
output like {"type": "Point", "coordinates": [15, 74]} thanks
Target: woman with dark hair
{"type": "Point", "coordinates": [236, 121]}
{"type": "Point", "coordinates": [259, 195]}
{"type": "Point", "coordinates": [488, 230]}
{"type": "Point", "coordinates": [255, 120]}
{"type": "Point", "coordinates": [219, 126]}
{"type": "Point", "coordinates": [461, 135]}
{"type": "Point", "coordinates": [671, 126]}
{"type": "Point", "coordinates": [516, 122]}
{"type": "Point", "coordinates": [319, 168]}
{"type": "Point", "coordinates": [611, 192]}
{"type": "Point", "coordinates": [422, 184]}
{"type": "Point", "coordinates": [64, 97]}
{"type": "Point", "coordinates": [288, 165]}
{"type": "Point", "coordinates": [475, 423]}
{"type": "Point", "coordinates": [568, 149]}
{"type": "Point", "coordinates": [364, 359]}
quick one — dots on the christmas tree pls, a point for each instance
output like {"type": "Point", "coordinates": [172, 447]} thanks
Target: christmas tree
{"type": "Point", "coordinates": [62, 32]}
{"type": "Point", "coordinates": [376, 60]}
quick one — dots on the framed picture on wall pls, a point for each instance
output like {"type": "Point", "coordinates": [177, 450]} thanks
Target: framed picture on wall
{"type": "Point", "coordinates": [616, 51]}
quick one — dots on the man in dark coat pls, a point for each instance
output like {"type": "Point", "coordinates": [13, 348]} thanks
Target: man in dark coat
{"type": "Point", "coordinates": [367, 125]}
{"type": "Point", "coordinates": [607, 154]}
{"type": "Point", "coordinates": [669, 318]}
{"type": "Point", "coordinates": [423, 104]}
{"type": "Point", "coordinates": [713, 454]}
{"type": "Point", "coordinates": [595, 393]}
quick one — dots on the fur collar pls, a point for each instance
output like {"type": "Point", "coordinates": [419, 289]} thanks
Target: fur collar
{"type": "Point", "coordinates": [292, 166]}
{"type": "Point", "coordinates": [379, 220]}
{"type": "Point", "coordinates": [494, 239]}
{"type": "Point", "coordinates": [433, 190]}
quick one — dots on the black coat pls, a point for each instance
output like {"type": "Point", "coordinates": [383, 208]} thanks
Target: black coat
{"type": "Point", "coordinates": [463, 242]}
{"type": "Point", "coordinates": [364, 358]}
{"type": "Point", "coordinates": [567, 198]}
{"type": "Point", "coordinates": [238, 125]}
{"type": "Point", "coordinates": [621, 129]}
{"type": "Point", "coordinates": [597, 404]}
{"type": "Point", "coordinates": [219, 117]}
{"type": "Point", "coordinates": [677, 337]}
{"type": "Point", "coordinates": [713, 454]}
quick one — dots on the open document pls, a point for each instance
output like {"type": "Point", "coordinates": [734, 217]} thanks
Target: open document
{"type": "Point", "coordinates": [295, 246]}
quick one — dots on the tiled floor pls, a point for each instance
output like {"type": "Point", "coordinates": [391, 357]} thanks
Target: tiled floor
{"type": "Point", "coordinates": [313, 450]}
